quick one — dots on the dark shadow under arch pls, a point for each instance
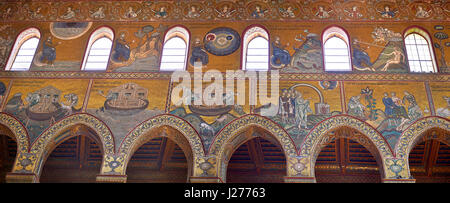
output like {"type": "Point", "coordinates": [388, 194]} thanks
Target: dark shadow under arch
{"type": "Point", "coordinates": [75, 155]}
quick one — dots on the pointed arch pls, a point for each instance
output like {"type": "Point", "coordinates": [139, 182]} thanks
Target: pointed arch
{"type": "Point", "coordinates": [18, 130]}
{"type": "Point", "coordinates": [317, 134]}
{"type": "Point", "coordinates": [98, 49]}
{"type": "Point", "coordinates": [49, 138]}
{"type": "Point", "coordinates": [415, 131]}
{"type": "Point", "coordinates": [232, 136]}
{"type": "Point", "coordinates": [255, 48]}
{"type": "Point", "coordinates": [336, 49]}
{"type": "Point", "coordinates": [24, 50]}
{"type": "Point", "coordinates": [419, 50]}
{"type": "Point", "coordinates": [175, 49]}
{"type": "Point", "coordinates": [367, 135]}
{"type": "Point", "coordinates": [232, 129]}
{"type": "Point", "coordinates": [188, 139]}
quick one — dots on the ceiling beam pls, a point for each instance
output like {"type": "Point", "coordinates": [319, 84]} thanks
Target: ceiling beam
{"type": "Point", "coordinates": [433, 151]}
{"type": "Point", "coordinates": [82, 150]}
{"type": "Point", "coordinates": [166, 151]}
{"type": "Point", "coordinates": [256, 154]}
{"type": "Point", "coordinates": [341, 154]}
{"type": "Point", "coordinates": [342, 148]}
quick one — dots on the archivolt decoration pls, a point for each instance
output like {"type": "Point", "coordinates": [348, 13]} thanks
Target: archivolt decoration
{"type": "Point", "coordinates": [97, 125]}
{"type": "Point", "coordinates": [44, 141]}
{"type": "Point", "coordinates": [236, 126]}
{"type": "Point", "coordinates": [31, 161]}
{"type": "Point", "coordinates": [289, 76]}
{"type": "Point", "coordinates": [163, 120]}
{"type": "Point", "coordinates": [227, 135]}
{"type": "Point", "coordinates": [312, 139]}
{"type": "Point", "coordinates": [18, 130]}
{"type": "Point", "coordinates": [415, 131]}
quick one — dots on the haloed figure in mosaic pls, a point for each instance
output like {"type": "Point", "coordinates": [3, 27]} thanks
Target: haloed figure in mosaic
{"type": "Point", "coordinates": [387, 12]}
{"type": "Point", "coordinates": [293, 108]}
{"type": "Point", "coordinates": [49, 51]}
{"type": "Point", "coordinates": [198, 53]}
{"type": "Point", "coordinates": [280, 56]}
{"type": "Point", "coordinates": [322, 13]}
{"type": "Point", "coordinates": [121, 49]}
{"type": "Point", "coordinates": [301, 111]}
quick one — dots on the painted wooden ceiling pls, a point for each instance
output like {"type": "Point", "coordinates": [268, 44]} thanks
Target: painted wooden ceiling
{"type": "Point", "coordinates": [339, 158]}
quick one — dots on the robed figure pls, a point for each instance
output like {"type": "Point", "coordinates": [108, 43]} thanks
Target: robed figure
{"type": "Point", "coordinates": [121, 49]}
{"type": "Point", "coordinates": [301, 111]}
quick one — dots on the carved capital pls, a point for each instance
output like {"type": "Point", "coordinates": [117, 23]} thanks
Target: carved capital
{"type": "Point", "coordinates": [21, 178]}
{"type": "Point", "coordinates": [299, 166]}
{"type": "Point", "coordinates": [296, 179]}
{"type": "Point", "coordinates": [111, 178]}
{"type": "Point", "coordinates": [205, 180]}
{"type": "Point", "coordinates": [396, 168]}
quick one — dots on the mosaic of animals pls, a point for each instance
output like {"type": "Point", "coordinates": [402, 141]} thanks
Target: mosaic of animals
{"type": "Point", "coordinates": [295, 30]}
{"type": "Point", "coordinates": [389, 107]}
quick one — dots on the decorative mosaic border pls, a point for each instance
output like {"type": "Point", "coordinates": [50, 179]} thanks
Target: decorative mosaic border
{"type": "Point", "coordinates": [439, 77]}
{"type": "Point", "coordinates": [164, 120]}
{"type": "Point", "coordinates": [18, 131]}
{"type": "Point", "coordinates": [97, 125]}
{"type": "Point", "coordinates": [312, 139]}
{"type": "Point", "coordinates": [234, 127]}
{"type": "Point", "coordinates": [416, 130]}
{"type": "Point", "coordinates": [206, 10]}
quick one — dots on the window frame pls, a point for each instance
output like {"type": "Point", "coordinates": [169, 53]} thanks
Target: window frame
{"type": "Point", "coordinates": [183, 33]}
{"type": "Point", "coordinates": [250, 33]}
{"type": "Point", "coordinates": [103, 31]}
{"type": "Point", "coordinates": [22, 37]}
{"type": "Point", "coordinates": [341, 33]}
{"type": "Point", "coordinates": [426, 36]}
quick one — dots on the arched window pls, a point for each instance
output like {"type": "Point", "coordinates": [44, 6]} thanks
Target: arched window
{"type": "Point", "coordinates": [98, 50]}
{"type": "Point", "coordinates": [174, 54]}
{"type": "Point", "coordinates": [255, 55]}
{"type": "Point", "coordinates": [419, 51]}
{"type": "Point", "coordinates": [24, 50]}
{"type": "Point", "coordinates": [336, 50]}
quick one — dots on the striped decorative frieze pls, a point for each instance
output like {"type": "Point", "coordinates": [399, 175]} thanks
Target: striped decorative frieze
{"type": "Point", "coordinates": [439, 77]}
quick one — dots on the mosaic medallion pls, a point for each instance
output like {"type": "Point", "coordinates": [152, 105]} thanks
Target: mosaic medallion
{"type": "Point", "coordinates": [222, 41]}
{"type": "Point", "coordinates": [69, 30]}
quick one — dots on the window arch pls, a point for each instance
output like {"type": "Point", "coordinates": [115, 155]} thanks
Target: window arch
{"type": "Point", "coordinates": [255, 55]}
{"type": "Point", "coordinates": [23, 50]}
{"type": "Point", "coordinates": [98, 50]}
{"type": "Point", "coordinates": [174, 54]}
{"type": "Point", "coordinates": [336, 50]}
{"type": "Point", "coordinates": [419, 51]}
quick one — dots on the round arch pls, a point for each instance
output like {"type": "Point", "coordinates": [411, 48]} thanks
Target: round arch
{"type": "Point", "coordinates": [232, 136]}
{"type": "Point", "coordinates": [185, 136]}
{"type": "Point", "coordinates": [49, 139]}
